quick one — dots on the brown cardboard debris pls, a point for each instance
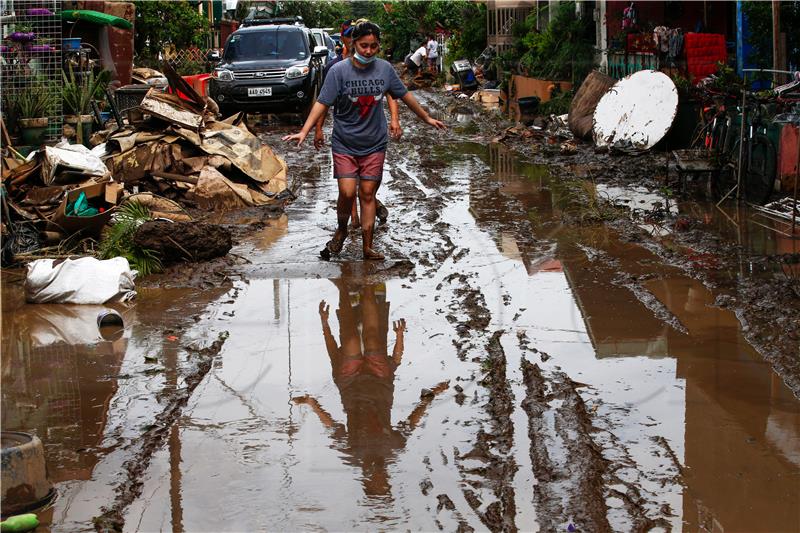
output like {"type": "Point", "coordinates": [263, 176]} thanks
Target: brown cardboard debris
{"type": "Point", "coordinates": [86, 225]}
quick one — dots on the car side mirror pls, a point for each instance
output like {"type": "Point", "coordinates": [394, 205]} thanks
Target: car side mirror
{"type": "Point", "coordinates": [320, 51]}
{"type": "Point", "coordinates": [213, 57]}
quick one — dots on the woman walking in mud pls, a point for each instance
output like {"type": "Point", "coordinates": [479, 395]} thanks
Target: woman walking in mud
{"type": "Point", "coordinates": [356, 87]}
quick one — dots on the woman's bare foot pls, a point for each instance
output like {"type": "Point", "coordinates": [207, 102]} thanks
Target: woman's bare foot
{"type": "Point", "coordinates": [372, 255]}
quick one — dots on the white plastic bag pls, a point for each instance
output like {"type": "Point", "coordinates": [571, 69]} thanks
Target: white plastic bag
{"type": "Point", "coordinates": [79, 281]}
{"type": "Point", "coordinates": [71, 157]}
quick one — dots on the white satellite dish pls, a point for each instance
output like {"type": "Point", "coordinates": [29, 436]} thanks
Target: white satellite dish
{"type": "Point", "coordinates": [637, 111]}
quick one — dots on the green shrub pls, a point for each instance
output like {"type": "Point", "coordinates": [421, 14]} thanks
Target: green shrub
{"type": "Point", "coordinates": [118, 241]}
{"type": "Point", "coordinates": [564, 50]}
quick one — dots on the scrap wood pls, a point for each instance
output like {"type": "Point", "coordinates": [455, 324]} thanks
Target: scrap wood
{"type": "Point", "coordinates": [23, 213]}
{"type": "Point", "coordinates": [160, 207]}
{"type": "Point", "coordinates": [178, 84]}
{"type": "Point", "coordinates": [176, 177]}
{"type": "Point", "coordinates": [7, 141]}
{"type": "Point", "coordinates": [21, 173]}
{"type": "Point", "coordinates": [44, 196]}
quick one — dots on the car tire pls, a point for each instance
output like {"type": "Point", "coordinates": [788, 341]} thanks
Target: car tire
{"type": "Point", "coordinates": [226, 111]}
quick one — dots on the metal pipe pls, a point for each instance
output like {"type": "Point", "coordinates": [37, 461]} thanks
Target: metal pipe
{"type": "Point", "coordinates": [773, 71]}
{"type": "Point", "coordinates": [796, 179]}
{"type": "Point", "coordinates": [776, 37]}
{"type": "Point", "coordinates": [741, 143]}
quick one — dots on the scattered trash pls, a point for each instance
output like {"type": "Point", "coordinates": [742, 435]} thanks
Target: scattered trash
{"type": "Point", "coordinates": [463, 72]}
{"type": "Point", "coordinates": [66, 163]}
{"type": "Point", "coordinates": [487, 96]}
{"type": "Point", "coordinates": [176, 152]}
{"type": "Point", "coordinates": [636, 112]}
{"type": "Point", "coordinates": [110, 324]}
{"type": "Point", "coordinates": [86, 210]}
{"type": "Point", "coordinates": [571, 528]}
{"type": "Point", "coordinates": [79, 281]}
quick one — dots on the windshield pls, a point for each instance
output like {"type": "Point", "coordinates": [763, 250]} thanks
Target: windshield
{"type": "Point", "coordinates": [270, 44]}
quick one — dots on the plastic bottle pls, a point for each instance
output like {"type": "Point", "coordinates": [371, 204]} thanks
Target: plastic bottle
{"type": "Point", "coordinates": [19, 523]}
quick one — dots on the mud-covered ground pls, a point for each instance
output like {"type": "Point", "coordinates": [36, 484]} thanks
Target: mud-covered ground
{"type": "Point", "coordinates": [766, 299]}
{"type": "Point", "coordinates": [528, 357]}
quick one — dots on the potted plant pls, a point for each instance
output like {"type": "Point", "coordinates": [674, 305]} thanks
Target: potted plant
{"type": "Point", "coordinates": [33, 106]}
{"type": "Point", "coordinates": [23, 33]}
{"type": "Point", "coordinates": [78, 92]}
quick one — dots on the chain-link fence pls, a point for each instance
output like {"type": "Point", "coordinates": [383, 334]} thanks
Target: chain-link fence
{"type": "Point", "coordinates": [189, 61]}
{"type": "Point", "coordinates": [31, 62]}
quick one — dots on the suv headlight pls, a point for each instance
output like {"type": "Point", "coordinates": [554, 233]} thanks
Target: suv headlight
{"type": "Point", "coordinates": [296, 72]}
{"type": "Point", "coordinates": [223, 74]}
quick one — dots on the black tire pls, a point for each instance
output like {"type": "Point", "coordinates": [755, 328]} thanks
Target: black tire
{"type": "Point", "coordinates": [759, 181]}
{"type": "Point", "coordinates": [225, 111]}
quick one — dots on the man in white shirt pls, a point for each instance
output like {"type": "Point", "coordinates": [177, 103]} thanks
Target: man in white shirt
{"type": "Point", "coordinates": [432, 49]}
{"type": "Point", "coordinates": [414, 60]}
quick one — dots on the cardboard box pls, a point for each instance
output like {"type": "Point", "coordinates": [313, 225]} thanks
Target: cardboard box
{"type": "Point", "coordinates": [89, 226]}
{"type": "Point", "coordinates": [113, 192]}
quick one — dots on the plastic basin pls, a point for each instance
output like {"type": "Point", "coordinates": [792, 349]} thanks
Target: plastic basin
{"type": "Point", "coordinates": [24, 479]}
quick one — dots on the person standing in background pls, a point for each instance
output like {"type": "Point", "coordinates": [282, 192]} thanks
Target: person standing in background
{"type": "Point", "coordinates": [432, 49]}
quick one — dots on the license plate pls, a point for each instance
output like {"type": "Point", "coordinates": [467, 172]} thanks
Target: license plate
{"type": "Point", "coordinates": [259, 91]}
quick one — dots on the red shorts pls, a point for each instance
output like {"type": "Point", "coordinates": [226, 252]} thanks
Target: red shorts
{"type": "Point", "coordinates": [365, 167]}
{"type": "Point", "coordinates": [377, 364]}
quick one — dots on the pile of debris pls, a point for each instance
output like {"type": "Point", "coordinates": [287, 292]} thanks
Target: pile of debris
{"type": "Point", "coordinates": [171, 154]}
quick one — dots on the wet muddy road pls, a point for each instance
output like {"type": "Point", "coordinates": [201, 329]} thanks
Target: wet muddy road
{"type": "Point", "coordinates": [501, 371]}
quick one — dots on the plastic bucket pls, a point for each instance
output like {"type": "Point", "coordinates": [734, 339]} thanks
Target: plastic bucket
{"type": "Point", "coordinates": [72, 44]}
{"type": "Point", "coordinates": [110, 324]}
{"type": "Point", "coordinates": [528, 105]}
{"type": "Point", "coordinates": [24, 479]}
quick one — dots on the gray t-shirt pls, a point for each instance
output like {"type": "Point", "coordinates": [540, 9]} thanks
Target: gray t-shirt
{"type": "Point", "coordinates": [359, 123]}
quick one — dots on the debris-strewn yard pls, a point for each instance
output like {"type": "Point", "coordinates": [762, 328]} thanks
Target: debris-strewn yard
{"type": "Point", "coordinates": [559, 339]}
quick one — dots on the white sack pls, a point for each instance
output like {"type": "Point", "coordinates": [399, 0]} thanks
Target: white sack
{"type": "Point", "coordinates": [79, 281]}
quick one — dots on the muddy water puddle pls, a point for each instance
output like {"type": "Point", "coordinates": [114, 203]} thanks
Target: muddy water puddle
{"type": "Point", "coordinates": [380, 397]}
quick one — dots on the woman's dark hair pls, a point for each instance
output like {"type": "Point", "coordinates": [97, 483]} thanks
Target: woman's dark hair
{"type": "Point", "coordinates": [362, 29]}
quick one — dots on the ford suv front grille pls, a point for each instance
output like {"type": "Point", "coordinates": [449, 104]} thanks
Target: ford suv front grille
{"type": "Point", "coordinates": [270, 74]}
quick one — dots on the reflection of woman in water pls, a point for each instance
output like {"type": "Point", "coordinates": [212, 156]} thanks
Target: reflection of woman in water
{"type": "Point", "coordinates": [364, 374]}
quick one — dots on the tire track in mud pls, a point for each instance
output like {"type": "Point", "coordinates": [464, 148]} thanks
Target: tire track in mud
{"type": "Point", "coordinates": [493, 447]}
{"type": "Point", "coordinates": [130, 488]}
{"type": "Point", "coordinates": [570, 489]}
{"type": "Point", "coordinates": [575, 476]}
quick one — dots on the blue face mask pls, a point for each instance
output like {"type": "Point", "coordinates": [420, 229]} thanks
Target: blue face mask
{"type": "Point", "coordinates": [364, 60]}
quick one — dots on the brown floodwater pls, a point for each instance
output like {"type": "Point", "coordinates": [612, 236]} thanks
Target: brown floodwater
{"type": "Point", "coordinates": [333, 403]}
